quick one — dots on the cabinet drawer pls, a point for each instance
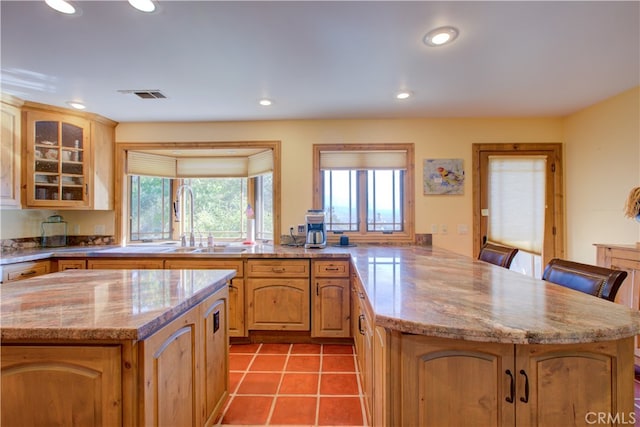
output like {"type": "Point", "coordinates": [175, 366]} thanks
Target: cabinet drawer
{"type": "Point", "coordinates": [217, 264]}
{"type": "Point", "coordinates": [277, 268]}
{"type": "Point", "coordinates": [631, 254]}
{"type": "Point", "coordinates": [331, 268]}
{"type": "Point", "coordinates": [25, 270]}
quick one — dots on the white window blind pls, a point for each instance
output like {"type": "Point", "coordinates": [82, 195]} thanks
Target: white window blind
{"type": "Point", "coordinates": [212, 167]}
{"type": "Point", "coordinates": [517, 201]}
{"type": "Point", "coordinates": [261, 163]}
{"type": "Point", "coordinates": [146, 164]}
{"type": "Point", "coordinates": [387, 159]}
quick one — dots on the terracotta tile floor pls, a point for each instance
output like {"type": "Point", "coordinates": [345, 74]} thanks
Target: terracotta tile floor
{"type": "Point", "coordinates": [293, 384]}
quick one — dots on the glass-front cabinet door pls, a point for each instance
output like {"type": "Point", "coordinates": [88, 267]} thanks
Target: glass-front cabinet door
{"type": "Point", "coordinates": [57, 160]}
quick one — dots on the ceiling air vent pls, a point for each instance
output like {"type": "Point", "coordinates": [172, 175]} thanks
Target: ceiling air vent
{"type": "Point", "coordinates": [145, 94]}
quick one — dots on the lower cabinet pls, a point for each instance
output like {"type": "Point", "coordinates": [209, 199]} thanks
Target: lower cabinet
{"type": "Point", "coordinates": [278, 295]}
{"type": "Point", "coordinates": [454, 382]}
{"type": "Point", "coordinates": [176, 377]}
{"type": "Point", "coordinates": [236, 316]}
{"type": "Point", "coordinates": [330, 299]}
{"type": "Point", "coordinates": [137, 263]}
{"type": "Point", "coordinates": [25, 270]}
{"type": "Point", "coordinates": [363, 340]}
{"type": "Point", "coordinates": [186, 367]}
{"type": "Point", "coordinates": [61, 385]}
{"type": "Point", "coordinates": [71, 264]}
{"type": "Point", "coordinates": [627, 258]}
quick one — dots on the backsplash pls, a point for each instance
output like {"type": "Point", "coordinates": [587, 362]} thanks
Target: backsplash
{"type": "Point", "coordinates": [11, 245]}
{"type": "Point", "coordinates": [421, 239]}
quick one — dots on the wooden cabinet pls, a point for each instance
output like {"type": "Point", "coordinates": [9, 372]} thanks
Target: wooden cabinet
{"type": "Point", "coordinates": [363, 329]}
{"type": "Point", "coordinates": [627, 258]}
{"type": "Point", "coordinates": [170, 370]}
{"type": "Point", "coordinates": [185, 367]}
{"type": "Point", "coordinates": [278, 295]}
{"type": "Point", "coordinates": [10, 152]}
{"type": "Point", "coordinates": [68, 159]}
{"type": "Point", "coordinates": [331, 311]}
{"type": "Point", "coordinates": [236, 318]}
{"type": "Point", "coordinates": [455, 382]}
{"type": "Point", "coordinates": [71, 264]}
{"type": "Point", "coordinates": [61, 385]}
{"type": "Point", "coordinates": [215, 352]}
{"type": "Point", "coordinates": [134, 263]}
{"type": "Point", "coordinates": [25, 270]}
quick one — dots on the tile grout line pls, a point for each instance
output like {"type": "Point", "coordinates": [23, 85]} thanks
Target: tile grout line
{"type": "Point", "coordinates": [276, 394]}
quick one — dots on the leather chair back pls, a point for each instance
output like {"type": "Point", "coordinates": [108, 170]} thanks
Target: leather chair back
{"type": "Point", "coordinates": [497, 254]}
{"type": "Point", "coordinates": [594, 280]}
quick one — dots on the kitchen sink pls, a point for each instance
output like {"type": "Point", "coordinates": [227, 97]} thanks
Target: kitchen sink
{"type": "Point", "coordinates": [222, 249]}
{"type": "Point", "coordinates": [183, 249]}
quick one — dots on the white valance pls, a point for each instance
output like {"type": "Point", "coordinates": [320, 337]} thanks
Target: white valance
{"type": "Point", "coordinates": [150, 165]}
{"type": "Point", "coordinates": [387, 159]}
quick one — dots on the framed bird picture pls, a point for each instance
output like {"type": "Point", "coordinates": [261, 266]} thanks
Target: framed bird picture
{"type": "Point", "coordinates": [443, 176]}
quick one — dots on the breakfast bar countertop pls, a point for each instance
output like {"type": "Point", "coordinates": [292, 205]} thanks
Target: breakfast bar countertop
{"type": "Point", "coordinates": [414, 289]}
{"type": "Point", "coordinates": [92, 305]}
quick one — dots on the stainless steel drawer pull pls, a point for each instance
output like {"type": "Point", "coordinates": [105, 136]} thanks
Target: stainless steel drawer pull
{"type": "Point", "coordinates": [28, 273]}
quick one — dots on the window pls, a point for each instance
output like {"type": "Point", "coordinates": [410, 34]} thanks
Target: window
{"type": "Point", "coordinates": [229, 181]}
{"type": "Point", "coordinates": [365, 190]}
{"type": "Point", "coordinates": [150, 208]}
{"type": "Point", "coordinates": [516, 195]}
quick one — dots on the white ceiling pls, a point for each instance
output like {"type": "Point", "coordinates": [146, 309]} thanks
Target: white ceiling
{"type": "Point", "coordinates": [213, 60]}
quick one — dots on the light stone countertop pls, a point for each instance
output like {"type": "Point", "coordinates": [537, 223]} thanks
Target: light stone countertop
{"type": "Point", "coordinates": [431, 291]}
{"type": "Point", "coordinates": [88, 305]}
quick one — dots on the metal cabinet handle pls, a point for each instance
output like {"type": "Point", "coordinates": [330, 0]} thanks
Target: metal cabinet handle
{"type": "Point", "coordinates": [317, 289]}
{"type": "Point", "coordinates": [278, 269]}
{"type": "Point", "coordinates": [360, 324]}
{"type": "Point", "coordinates": [525, 399]}
{"type": "Point", "coordinates": [28, 273]}
{"type": "Point", "coordinates": [512, 387]}
{"type": "Point", "coordinates": [331, 268]}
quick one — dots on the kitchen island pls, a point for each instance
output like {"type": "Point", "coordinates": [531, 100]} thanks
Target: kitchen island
{"type": "Point", "coordinates": [443, 339]}
{"type": "Point", "coordinates": [115, 347]}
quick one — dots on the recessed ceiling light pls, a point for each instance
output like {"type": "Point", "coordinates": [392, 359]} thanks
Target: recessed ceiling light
{"type": "Point", "coordinates": [77, 105]}
{"type": "Point", "coordinates": [61, 6]}
{"type": "Point", "coordinates": [143, 5]}
{"type": "Point", "coordinates": [404, 94]}
{"type": "Point", "coordinates": [441, 36]}
{"type": "Point", "coordinates": [265, 102]}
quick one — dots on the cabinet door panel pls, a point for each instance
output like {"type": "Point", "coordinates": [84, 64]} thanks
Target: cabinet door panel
{"type": "Point", "coordinates": [216, 357]}
{"type": "Point", "coordinates": [111, 264]}
{"type": "Point", "coordinates": [171, 374]}
{"type": "Point", "coordinates": [278, 304]}
{"type": "Point", "coordinates": [331, 310]}
{"type": "Point", "coordinates": [568, 382]}
{"type": "Point", "coordinates": [455, 383]}
{"type": "Point", "coordinates": [32, 377]}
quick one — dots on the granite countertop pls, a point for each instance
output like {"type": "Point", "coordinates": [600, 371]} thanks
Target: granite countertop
{"type": "Point", "coordinates": [87, 305]}
{"type": "Point", "coordinates": [431, 291]}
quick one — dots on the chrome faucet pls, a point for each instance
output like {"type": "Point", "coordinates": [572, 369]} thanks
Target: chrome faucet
{"type": "Point", "coordinates": [176, 209]}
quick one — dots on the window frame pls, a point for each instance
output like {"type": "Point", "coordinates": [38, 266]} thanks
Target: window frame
{"type": "Point", "coordinates": [121, 185]}
{"type": "Point", "coordinates": [408, 195]}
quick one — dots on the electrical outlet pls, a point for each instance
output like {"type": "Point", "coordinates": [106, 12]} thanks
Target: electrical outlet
{"type": "Point", "coordinates": [301, 228]}
{"type": "Point", "coordinates": [463, 229]}
{"type": "Point", "coordinates": [434, 228]}
{"type": "Point", "coordinates": [99, 230]}
{"type": "Point", "coordinates": [444, 229]}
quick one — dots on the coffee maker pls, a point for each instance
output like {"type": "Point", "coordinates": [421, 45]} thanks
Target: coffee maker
{"type": "Point", "coordinates": [316, 229]}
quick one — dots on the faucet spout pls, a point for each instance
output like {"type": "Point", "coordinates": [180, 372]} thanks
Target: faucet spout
{"type": "Point", "coordinates": [176, 208]}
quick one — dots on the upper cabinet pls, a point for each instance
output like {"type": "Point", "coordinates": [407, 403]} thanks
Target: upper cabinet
{"type": "Point", "coordinates": [68, 159]}
{"type": "Point", "coordinates": [10, 152]}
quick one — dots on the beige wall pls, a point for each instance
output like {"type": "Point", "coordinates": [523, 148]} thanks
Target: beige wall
{"type": "Point", "coordinates": [602, 164]}
{"type": "Point", "coordinates": [433, 138]}
{"type": "Point", "coordinates": [602, 158]}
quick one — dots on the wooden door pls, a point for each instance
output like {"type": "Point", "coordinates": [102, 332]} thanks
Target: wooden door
{"type": "Point", "coordinates": [331, 310]}
{"type": "Point", "coordinates": [171, 374]}
{"type": "Point", "coordinates": [456, 383]}
{"type": "Point", "coordinates": [278, 304]}
{"type": "Point", "coordinates": [572, 384]}
{"type": "Point", "coordinates": [215, 350]}
{"type": "Point", "coordinates": [57, 385]}
{"type": "Point", "coordinates": [553, 240]}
